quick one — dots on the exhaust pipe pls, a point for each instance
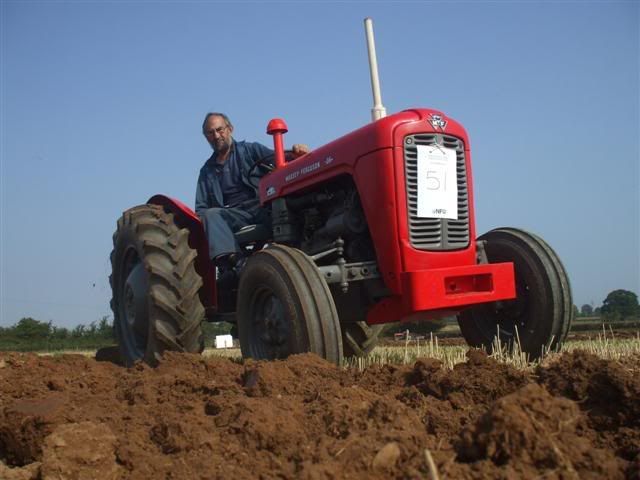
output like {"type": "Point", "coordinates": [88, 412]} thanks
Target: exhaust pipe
{"type": "Point", "coordinates": [378, 111]}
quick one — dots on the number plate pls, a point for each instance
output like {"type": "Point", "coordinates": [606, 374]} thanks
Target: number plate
{"type": "Point", "coordinates": [437, 182]}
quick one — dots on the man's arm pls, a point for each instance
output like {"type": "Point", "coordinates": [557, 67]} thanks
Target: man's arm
{"type": "Point", "coordinates": [262, 152]}
{"type": "Point", "coordinates": [259, 151]}
{"type": "Point", "coordinates": [298, 149]}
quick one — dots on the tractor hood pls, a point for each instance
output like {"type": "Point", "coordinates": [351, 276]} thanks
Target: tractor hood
{"type": "Point", "coordinates": [339, 156]}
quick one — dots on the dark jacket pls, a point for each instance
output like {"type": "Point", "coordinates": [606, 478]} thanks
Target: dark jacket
{"type": "Point", "coordinates": [242, 159]}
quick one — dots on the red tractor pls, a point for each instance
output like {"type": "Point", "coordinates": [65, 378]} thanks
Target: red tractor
{"type": "Point", "coordinates": [377, 226]}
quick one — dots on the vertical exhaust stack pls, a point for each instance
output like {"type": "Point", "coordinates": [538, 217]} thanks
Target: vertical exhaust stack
{"type": "Point", "coordinates": [378, 111]}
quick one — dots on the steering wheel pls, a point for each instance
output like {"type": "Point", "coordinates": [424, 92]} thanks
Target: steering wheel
{"type": "Point", "coordinates": [264, 165]}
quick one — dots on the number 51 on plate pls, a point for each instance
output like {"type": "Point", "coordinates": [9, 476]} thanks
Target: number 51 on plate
{"type": "Point", "coordinates": [437, 182]}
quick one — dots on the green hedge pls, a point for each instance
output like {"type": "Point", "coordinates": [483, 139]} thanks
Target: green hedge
{"type": "Point", "coordinates": [30, 335]}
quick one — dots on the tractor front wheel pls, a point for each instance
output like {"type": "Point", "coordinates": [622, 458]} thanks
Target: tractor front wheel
{"type": "Point", "coordinates": [285, 307]}
{"type": "Point", "coordinates": [539, 318]}
{"type": "Point", "coordinates": [155, 287]}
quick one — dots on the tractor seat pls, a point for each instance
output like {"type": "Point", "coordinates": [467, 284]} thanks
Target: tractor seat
{"type": "Point", "coordinates": [253, 234]}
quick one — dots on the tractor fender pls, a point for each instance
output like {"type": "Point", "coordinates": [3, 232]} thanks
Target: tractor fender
{"type": "Point", "coordinates": [184, 217]}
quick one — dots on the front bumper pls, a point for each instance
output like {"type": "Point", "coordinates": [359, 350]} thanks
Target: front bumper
{"type": "Point", "coordinates": [446, 289]}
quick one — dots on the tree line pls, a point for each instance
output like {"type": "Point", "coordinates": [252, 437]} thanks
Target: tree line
{"type": "Point", "coordinates": [32, 334]}
{"type": "Point", "coordinates": [619, 305]}
{"type": "Point", "coordinates": [29, 334]}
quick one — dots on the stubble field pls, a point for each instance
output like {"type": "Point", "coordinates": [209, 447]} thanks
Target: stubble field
{"type": "Point", "coordinates": [577, 415]}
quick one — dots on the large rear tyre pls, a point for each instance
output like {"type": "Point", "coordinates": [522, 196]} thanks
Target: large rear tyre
{"type": "Point", "coordinates": [155, 287]}
{"type": "Point", "coordinates": [540, 316]}
{"type": "Point", "coordinates": [285, 307]}
{"type": "Point", "coordinates": [359, 338]}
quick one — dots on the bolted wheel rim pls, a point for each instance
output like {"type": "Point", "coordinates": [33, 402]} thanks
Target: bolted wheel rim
{"type": "Point", "coordinates": [271, 324]}
{"type": "Point", "coordinates": [134, 318]}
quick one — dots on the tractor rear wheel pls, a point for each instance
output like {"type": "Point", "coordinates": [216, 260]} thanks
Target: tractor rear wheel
{"type": "Point", "coordinates": [539, 317]}
{"type": "Point", "coordinates": [285, 307]}
{"type": "Point", "coordinates": [155, 287]}
{"type": "Point", "coordinates": [359, 338]}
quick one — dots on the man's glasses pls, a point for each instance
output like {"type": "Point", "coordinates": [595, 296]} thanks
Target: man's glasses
{"type": "Point", "coordinates": [219, 131]}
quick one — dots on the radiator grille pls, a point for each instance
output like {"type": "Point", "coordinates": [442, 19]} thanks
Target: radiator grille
{"type": "Point", "coordinates": [436, 233]}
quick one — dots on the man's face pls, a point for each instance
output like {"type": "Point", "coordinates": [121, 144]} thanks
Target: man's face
{"type": "Point", "coordinates": [218, 134]}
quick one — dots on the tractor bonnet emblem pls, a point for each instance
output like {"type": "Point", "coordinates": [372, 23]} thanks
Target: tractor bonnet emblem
{"type": "Point", "coordinates": [437, 121]}
{"type": "Point", "coordinates": [328, 160]}
{"type": "Point", "coordinates": [271, 191]}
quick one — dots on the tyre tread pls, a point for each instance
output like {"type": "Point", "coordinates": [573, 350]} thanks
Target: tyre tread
{"type": "Point", "coordinates": [174, 305]}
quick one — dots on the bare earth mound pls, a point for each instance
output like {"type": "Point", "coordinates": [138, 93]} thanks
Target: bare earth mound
{"type": "Point", "coordinates": [73, 417]}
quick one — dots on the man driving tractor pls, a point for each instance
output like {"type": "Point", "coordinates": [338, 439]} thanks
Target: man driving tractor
{"type": "Point", "coordinates": [226, 198]}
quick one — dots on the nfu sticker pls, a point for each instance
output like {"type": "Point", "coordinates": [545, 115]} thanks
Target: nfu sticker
{"type": "Point", "coordinates": [437, 182]}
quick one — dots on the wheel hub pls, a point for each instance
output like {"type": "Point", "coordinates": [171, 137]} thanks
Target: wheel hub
{"type": "Point", "coordinates": [274, 321]}
{"type": "Point", "coordinates": [136, 311]}
{"type": "Point", "coordinates": [129, 305]}
{"type": "Point", "coordinates": [271, 326]}
{"type": "Point", "coordinates": [512, 314]}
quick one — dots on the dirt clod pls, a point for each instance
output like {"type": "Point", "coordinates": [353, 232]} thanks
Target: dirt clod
{"type": "Point", "coordinates": [604, 389]}
{"type": "Point", "coordinates": [80, 450]}
{"type": "Point", "coordinates": [387, 457]}
{"type": "Point", "coordinates": [28, 472]}
{"type": "Point", "coordinates": [531, 428]}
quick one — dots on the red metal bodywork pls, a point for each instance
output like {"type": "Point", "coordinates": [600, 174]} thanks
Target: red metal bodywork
{"type": "Point", "coordinates": [432, 284]}
{"type": "Point", "coordinates": [420, 281]}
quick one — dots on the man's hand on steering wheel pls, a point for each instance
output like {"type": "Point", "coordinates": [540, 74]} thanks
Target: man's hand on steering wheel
{"type": "Point", "coordinates": [299, 149]}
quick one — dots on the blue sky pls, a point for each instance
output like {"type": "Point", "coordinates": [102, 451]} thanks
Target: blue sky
{"type": "Point", "coordinates": [102, 102]}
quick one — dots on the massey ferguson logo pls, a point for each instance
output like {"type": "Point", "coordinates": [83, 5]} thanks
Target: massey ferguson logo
{"type": "Point", "coordinates": [437, 122]}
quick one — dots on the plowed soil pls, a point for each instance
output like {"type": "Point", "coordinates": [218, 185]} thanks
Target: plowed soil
{"type": "Point", "coordinates": [303, 418]}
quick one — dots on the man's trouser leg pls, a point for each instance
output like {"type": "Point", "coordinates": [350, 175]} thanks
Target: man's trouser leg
{"type": "Point", "coordinates": [220, 225]}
